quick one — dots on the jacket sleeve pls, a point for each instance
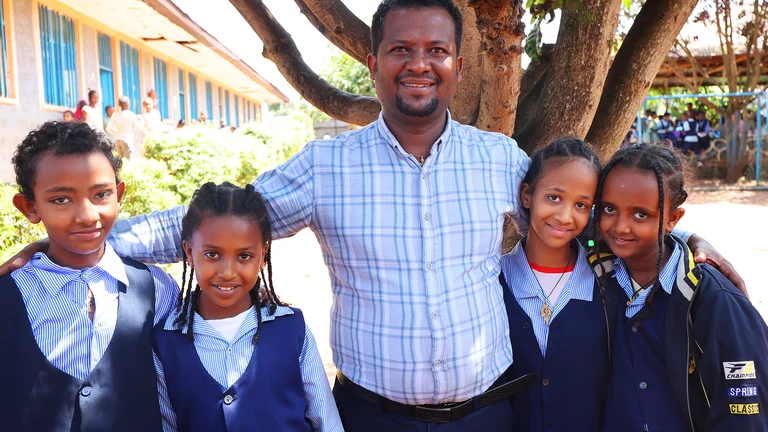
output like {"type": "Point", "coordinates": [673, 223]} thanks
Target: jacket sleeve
{"type": "Point", "coordinates": [733, 367]}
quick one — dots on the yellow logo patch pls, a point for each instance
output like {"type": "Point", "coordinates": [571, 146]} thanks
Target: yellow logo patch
{"type": "Point", "coordinates": [744, 409]}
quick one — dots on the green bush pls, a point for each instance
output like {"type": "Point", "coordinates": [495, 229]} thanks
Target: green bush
{"type": "Point", "coordinates": [149, 187]}
{"type": "Point", "coordinates": [15, 230]}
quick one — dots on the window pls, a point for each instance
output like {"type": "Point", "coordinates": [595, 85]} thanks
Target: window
{"type": "Point", "coordinates": [57, 43]}
{"type": "Point", "coordinates": [106, 71]}
{"type": "Point", "coordinates": [221, 105]}
{"type": "Point", "coordinates": [5, 64]}
{"type": "Point", "coordinates": [161, 87]}
{"type": "Point", "coordinates": [182, 98]}
{"type": "Point", "coordinates": [209, 99]}
{"type": "Point", "coordinates": [237, 112]}
{"type": "Point", "coordinates": [249, 112]}
{"type": "Point", "coordinates": [226, 106]}
{"type": "Point", "coordinates": [193, 112]}
{"type": "Point", "coordinates": [129, 64]}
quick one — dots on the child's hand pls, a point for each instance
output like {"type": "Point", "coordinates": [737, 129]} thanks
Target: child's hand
{"type": "Point", "coordinates": [21, 258]}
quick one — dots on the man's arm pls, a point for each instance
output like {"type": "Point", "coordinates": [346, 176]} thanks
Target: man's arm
{"type": "Point", "coordinates": [519, 163]}
{"type": "Point", "coordinates": [154, 238]}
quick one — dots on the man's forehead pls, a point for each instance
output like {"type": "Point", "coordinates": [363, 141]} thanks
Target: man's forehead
{"type": "Point", "coordinates": [435, 24]}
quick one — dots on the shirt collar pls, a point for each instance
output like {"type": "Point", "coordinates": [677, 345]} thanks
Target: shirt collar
{"type": "Point", "coordinates": [667, 275]}
{"type": "Point", "coordinates": [581, 283]}
{"type": "Point", "coordinates": [56, 276]}
{"type": "Point", "coordinates": [383, 129]}
{"type": "Point", "coordinates": [250, 323]}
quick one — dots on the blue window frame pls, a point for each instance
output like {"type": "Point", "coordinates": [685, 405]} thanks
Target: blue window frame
{"type": "Point", "coordinates": [193, 112]}
{"type": "Point", "coordinates": [5, 73]}
{"type": "Point", "coordinates": [209, 99]}
{"type": "Point", "coordinates": [161, 87]}
{"type": "Point", "coordinates": [249, 112]}
{"type": "Point", "coordinates": [106, 71]}
{"type": "Point", "coordinates": [182, 97]}
{"type": "Point", "coordinates": [57, 42]}
{"type": "Point", "coordinates": [237, 112]}
{"type": "Point", "coordinates": [221, 105]}
{"type": "Point", "coordinates": [226, 106]}
{"type": "Point", "coordinates": [131, 75]}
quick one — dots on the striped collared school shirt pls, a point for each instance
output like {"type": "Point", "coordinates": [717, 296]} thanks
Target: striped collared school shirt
{"type": "Point", "coordinates": [55, 298]}
{"type": "Point", "coordinates": [226, 362]}
{"type": "Point", "coordinates": [666, 278]}
{"type": "Point", "coordinates": [413, 253]}
{"type": "Point", "coordinates": [527, 291]}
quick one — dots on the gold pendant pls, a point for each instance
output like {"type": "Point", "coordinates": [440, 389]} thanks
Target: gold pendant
{"type": "Point", "coordinates": [546, 313]}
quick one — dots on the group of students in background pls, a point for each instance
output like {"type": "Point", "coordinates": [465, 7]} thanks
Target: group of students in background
{"type": "Point", "coordinates": [691, 134]}
{"type": "Point", "coordinates": [624, 332]}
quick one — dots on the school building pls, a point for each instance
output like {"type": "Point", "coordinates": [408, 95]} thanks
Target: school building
{"type": "Point", "coordinates": [53, 52]}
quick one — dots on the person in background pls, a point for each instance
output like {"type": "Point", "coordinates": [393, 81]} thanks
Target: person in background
{"type": "Point", "coordinates": [68, 116]}
{"type": "Point", "coordinates": [222, 124]}
{"type": "Point", "coordinates": [665, 130]}
{"type": "Point", "coordinates": [124, 125]}
{"type": "Point", "coordinates": [79, 110]}
{"type": "Point", "coordinates": [109, 111]}
{"type": "Point", "coordinates": [181, 124]}
{"type": "Point", "coordinates": [153, 120]}
{"type": "Point", "coordinates": [649, 126]}
{"type": "Point", "coordinates": [95, 119]}
{"type": "Point", "coordinates": [703, 129]}
{"type": "Point", "coordinates": [203, 117]}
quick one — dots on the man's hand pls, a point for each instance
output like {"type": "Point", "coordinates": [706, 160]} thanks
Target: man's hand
{"type": "Point", "coordinates": [21, 258]}
{"type": "Point", "coordinates": [705, 252]}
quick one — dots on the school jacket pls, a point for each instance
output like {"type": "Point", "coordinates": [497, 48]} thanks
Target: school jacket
{"type": "Point", "coordinates": [716, 346]}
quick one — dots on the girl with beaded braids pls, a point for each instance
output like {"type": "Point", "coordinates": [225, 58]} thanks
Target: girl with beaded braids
{"type": "Point", "coordinates": [230, 359]}
{"type": "Point", "coordinates": [690, 351]}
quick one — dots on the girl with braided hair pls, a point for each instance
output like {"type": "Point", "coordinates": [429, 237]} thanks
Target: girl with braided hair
{"type": "Point", "coordinates": [690, 351]}
{"type": "Point", "coordinates": [230, 359]}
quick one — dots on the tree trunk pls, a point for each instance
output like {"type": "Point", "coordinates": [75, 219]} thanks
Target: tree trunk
{"type": "Point", "coordinates": [576, 75]}
{"type": "Point", "coordinates": [632, 72]}
{"type": "Point", "coordinates": [465, 105]}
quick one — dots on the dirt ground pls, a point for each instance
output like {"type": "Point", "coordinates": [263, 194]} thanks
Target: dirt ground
{"type": "Point", "coordinates": [735, 222]}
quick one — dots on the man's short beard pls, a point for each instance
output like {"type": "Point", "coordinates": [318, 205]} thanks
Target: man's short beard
{"type": "Point", "coordinates": [411, 111]}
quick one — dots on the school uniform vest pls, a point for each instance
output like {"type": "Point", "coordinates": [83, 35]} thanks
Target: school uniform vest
{"type": "Point", "coordinates": [268, 396]}
{"type": "Point", "coordinates": [690, 134]}
{"type": "Point", "coordinates": [572, 378]}
{"type": "Point", "coordinates": [640, 392]}
{"type": "Point", "coordinates": [120, 393]}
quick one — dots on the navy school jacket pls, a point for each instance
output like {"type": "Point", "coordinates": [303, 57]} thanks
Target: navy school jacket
{"type": "Point", "coordinates": [716, 348]}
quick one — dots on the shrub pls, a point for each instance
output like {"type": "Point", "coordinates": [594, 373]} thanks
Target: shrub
{"type": "Point", "coordinates": [15, 230]}
{"type": "Point", "coordinates": [149, 187]}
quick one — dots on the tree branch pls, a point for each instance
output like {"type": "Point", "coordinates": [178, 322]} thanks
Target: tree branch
{"type": "Point", "coordinates": [280, 49]}
{"type": "Point", "coordinates": [339, 25]}
{"type": "Point", "coordinates": [633, 70]}
{"type": "Point", "coordinates": [576, 75]}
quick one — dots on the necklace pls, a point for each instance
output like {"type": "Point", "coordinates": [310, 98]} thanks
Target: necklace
{"type": "Point", "coordinates": [637, 290]}
{"type": "Point", "coordinates": [546, 309]}
{"type": "Point", "coordinates": [421, 160]}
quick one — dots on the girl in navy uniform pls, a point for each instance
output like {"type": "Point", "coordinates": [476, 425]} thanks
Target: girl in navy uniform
{"type": "Point", "coordinates": [559, 323]}
{"type": "Point", "coordinates": [230, 359]}
{"type": "Point", "coordinates": [690, 352]}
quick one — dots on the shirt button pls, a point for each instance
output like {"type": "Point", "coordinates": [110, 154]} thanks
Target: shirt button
{"type": "Point", "coordinates": [86, 391]}
{"type": "Point", "coordinates": [634, 329]}
{"type": "Point", "coordinates": [526, 325]}
{"type": "Point", "coordinates": [228, 399]}
{"type": "Point", "coordinates": [426, 216]}
{"type": "Point", "coordinates": [423, 176]}
{"type": "Point", "coordinates": [434, 315]}
{"type": "Point", "coordinates": [545, 382]}
{"type": "Point", "coordinates": [229, 350]}
{"type": "Point", "coordinates": [429, 266]}
{"type": "Point", "coordinates": [438, 363]}
{"type": "Point", "coordinates": [643, 385]}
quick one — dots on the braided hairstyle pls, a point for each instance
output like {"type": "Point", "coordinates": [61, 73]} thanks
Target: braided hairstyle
{"type": "Point", "coordinates": [226, 199]}
{"type": "Point", "coordinates": [556, 154]}
{"type": "Point", "coordinates": [670, 175]}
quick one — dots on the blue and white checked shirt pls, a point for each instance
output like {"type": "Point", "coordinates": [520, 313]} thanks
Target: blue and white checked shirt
{"type": "Point", "coordinates": [413, 253]}
{"type": "Point", "coordinates": [524, 285]}
{"type": "Point", "coordinates": [55, 298]}
{"type": "Point", "coordinates": [226, 362]}
{"type": "Point", "coordinates": [666, 277]}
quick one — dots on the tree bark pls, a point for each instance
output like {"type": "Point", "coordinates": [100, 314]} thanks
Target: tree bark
{"type": "Point", "coordinates": [501, 36]}
{"type": "Point", "coordinates": [633, 70]}
{"type": "Point", "coordinates": [576, 75]}
{"type": "Point", "coordinates": [467, 100]}
{"type": "Point", "coordinates": [280, 49]}
{"type": "Point", "coordinates": [532, 85]}
{"type": "Point", "coordinates": [339, 25]}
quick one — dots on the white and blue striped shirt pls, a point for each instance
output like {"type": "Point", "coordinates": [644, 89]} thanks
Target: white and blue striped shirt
{"type": "Point", "coordinates": [55, 298]}
{"type": "Point", "coordinates": [524, 285]}
{"type": "Point", "coordinates": [226, 362]}
{"type": "Point", "coordinates": [413, 253]}
{"type": "Point", "coordinates": [667, 278]}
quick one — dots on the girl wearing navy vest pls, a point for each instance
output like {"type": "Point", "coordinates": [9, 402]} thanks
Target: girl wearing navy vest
{"type": "Point", "coordinates": [230, 358]}
{"type": "Point", "coordinates": [559, 324]}
{"type": "Point", "coordinates": [690, 351]}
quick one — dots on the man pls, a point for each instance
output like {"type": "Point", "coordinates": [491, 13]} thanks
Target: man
{"type": "Point", "coordinates": [409, 213]}
{"type": "Point", "coordinates": [93, 112]}
{"type": "Point", "coordinates": [124, 126]}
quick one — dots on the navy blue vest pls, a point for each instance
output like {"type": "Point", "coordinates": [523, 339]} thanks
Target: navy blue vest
{"type": "Point", "coordinates": [268, 396]}
{"type": "Point", "coordinates": [120, 393]}
{"type": "Point", "coordinates": [640, 391]}
{"type": "Point", "coordinates": [573, 378]}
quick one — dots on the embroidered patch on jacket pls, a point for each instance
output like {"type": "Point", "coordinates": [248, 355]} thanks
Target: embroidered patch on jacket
{"type": "Point", "coordinates": [744, 409]}
{"type": "Point", "coordinates": [691, 364]}
{"type": "Point", "coordinates": [744, 391]}
{"type": "Point", "coordinates": [739, 370]}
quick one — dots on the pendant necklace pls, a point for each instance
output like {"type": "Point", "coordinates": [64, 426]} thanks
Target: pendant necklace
{"type": "Point", "coordinates": [637, 290]}
{"type": "Point", "coordinates": [546, 309]}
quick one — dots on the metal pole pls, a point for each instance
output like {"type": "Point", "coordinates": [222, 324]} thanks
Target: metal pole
{"type": "Point", "coordinates": [640, 121]}
{"type": "Point", "coordinates": [757, 138]}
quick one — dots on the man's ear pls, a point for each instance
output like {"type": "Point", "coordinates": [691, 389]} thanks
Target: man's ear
{"type": "Point", "coordinates": [525, 195]}
{"type": "Point", "coordinates": [27, 207]}
{"type": "Point", "coordinates": [371, 62]}
{"type": "Point", "coordinates": [674, 217]}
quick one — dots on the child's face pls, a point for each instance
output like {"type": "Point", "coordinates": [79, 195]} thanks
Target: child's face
{"type": "Point", "coordinates": [561, 203]}
{"type": "Point", "coordinates": [629, 219]}
{"type": "Point", "coordinates": [227, 253]}
{"type": "Point", "coordinates": [77, 199]}
{"type": "Point", "coordinates": [68, 116]}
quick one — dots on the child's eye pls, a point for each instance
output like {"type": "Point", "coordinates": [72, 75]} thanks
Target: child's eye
{"type": "Point", "coordinates": [553, 198]}
{"type": "Point", "coordinates": [60, 200]}
{"type": "Point", "coordinates": [582, 205]}
{"type": "Point", "coordinates": [609, 210]}
{"type": "Point", "coordinates": [246, 256]}
{"type": "Point", "coordinates": [211, 254]}
{"type": "Point", "coordinates": [641, 215]}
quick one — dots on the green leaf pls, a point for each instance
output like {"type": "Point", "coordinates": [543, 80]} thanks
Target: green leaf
{"type": "Point", "coordinates": [532, 44]}
{"type": "Point", "coordinates": [627, 3]}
